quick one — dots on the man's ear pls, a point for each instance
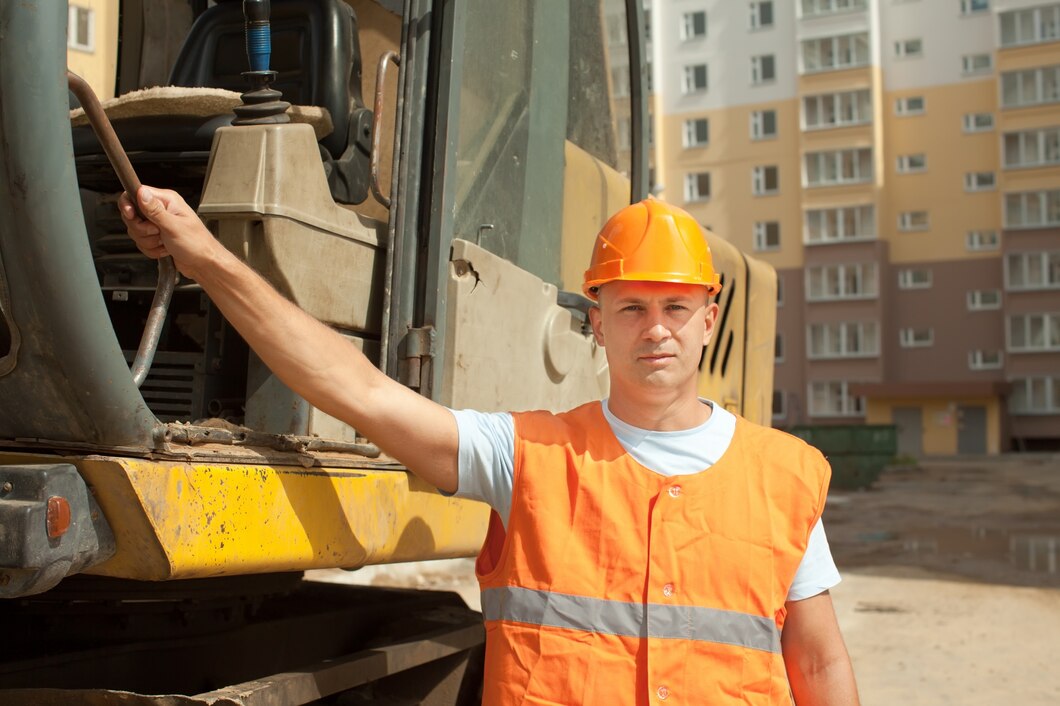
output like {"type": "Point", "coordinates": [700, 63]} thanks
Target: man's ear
{"type": "Point", "coordinates": [710, 315]}
{"type": "Point", "coordinates": [594, 319]}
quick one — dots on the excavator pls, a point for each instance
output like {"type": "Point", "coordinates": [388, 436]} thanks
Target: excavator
{"type": "Point", "coordinates": [424, 176]}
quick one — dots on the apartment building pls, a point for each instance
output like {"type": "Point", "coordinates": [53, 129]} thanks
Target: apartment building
{"type": "Point", "coordinates": [898, 163]}
{"type": "Point", "coordinates": [92, 43]}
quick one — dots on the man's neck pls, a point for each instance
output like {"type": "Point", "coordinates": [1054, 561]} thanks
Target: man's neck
{"type": "Point", "coordinates": [658, 412]}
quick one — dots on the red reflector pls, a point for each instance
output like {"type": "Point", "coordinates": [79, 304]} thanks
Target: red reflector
{"type": "Point", "coordinates": [58, 516]}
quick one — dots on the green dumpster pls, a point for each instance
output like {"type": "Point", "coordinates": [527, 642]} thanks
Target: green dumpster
{"type": "Point", "coordinates": [858, 453]}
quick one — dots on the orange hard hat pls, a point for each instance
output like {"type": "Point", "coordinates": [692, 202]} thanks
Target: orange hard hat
{"type": "Point", "coordinates": [651, 241]}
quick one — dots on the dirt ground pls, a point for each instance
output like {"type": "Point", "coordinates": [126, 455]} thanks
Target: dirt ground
{"type": "Point", "coordinates": [951, 588]}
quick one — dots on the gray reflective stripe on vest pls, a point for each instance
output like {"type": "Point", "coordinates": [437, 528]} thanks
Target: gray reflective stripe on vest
{"type": "Point", "coordinates": [561, 610]}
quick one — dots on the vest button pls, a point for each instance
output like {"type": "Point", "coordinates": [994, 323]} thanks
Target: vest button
{"type": "Point", "coordinates": [663, 693]}
{"type": "Point", "coordinates": [668, 590]}
{"type": "Point", "coordinates": [675, 491]}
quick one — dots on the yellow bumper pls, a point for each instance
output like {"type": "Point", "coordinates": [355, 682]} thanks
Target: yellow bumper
{"type": "Point", "coordinates": [175, 520]}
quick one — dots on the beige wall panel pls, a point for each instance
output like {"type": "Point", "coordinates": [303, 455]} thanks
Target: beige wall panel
{"type": "Point", "coordinates": [831, 81]}
{"type": "Point", "coordinates": [1028, 57]}
{"type": "Point", "coordinates": [1012, 119]}
{"type": "Point", "coordinates": [1033, 179]}
{"type": "Point", "coordinates": [951, 153]}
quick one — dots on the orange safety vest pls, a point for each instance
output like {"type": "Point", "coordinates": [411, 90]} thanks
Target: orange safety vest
{"type": "Point", "coordinates": [616, 585]}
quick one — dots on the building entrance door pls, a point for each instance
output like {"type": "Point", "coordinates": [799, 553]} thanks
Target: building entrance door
{"type": "Point", "coordinates": [971, 429]}
{"type": "Point", "coordinates": [909, 421]}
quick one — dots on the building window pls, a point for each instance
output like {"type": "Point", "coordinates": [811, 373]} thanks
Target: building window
{"type": "Point", "coordinates": [978, 122]}
{"type": "Point", "coordinates": [1038, 394]}
{"type": "Point", "coordinates": [911, 163]}
{"type": "Point", "coordinates": [830, 225]}
{"type": "Point", "coordinates": [779, 407]}
{"type": "Point", "coordinates": [984, 360]}
{"type": "Point", "coordinates": [844, 281]}
{"type": "Point", "coordinates": [763, 124]}
{"type": "Point", "coordinates": [762, 14]}
{"type": "Point", "coordinates": [980, 240]}
{"type": "Point", "coordinates": [1032, 148]}
{"type": "Point", "coordinates": [984, 299]}
{"type": "Point", "coordinates": [1030, 87]}
{"type": "Point", "coordinates": [1032, 270]}
{"type": "Point", "coordinates": [979, 181]}
{"type": "Point", "coordinates": [909, 221]}
{"type": "Point", "coordinates": [765, 181]}
{"type": "Point", "coordinates": [914, 278]}
{"type": "Point", "coordinates": [909, 48]}
{"type": "Point", "coordinates": [697, 132]}
{"type": "Point", "coordinates": [1030, 26]}
{"type": "Point", "coordinates": [1032, 333]}
{"type": "Point", "coordinates": [767, 235]}
{"type": "Point", "coordinates": [693, 25]}
{"type": "Point", "coordinates": [833, 399]}
{"type": "Point", "coordinates": [1032, 209]}
{"type": "Point", "coordinates": [836, 109]}
{"type": "Point", "coordinates": [910, 105]}
{"type": "Point", "coordinates": [974, 7]}
{"type": "Point", "coordinates": [81, 29]}
{"type": "Point", "coordinates": [828, 7]}
{"type": "Point", "coordinates": [763, 69]}
{"type": "Point", "coordinates": [830, 53]}
{"type": "Point", "coordinates": [847, 339]}
{"type": "Point", "coordinates": [977, 63]}
{"type": "Point", "coordinates": [695, 79]}
{"type": "Point", "coordinates": [620, 81]}
{"type": "Point", "coordinates": [697, 186]}
{"type": "Point", "coordinates": [916, 337]}
{"type": "Point", "coordinates": [780, 292]}
{"type": "Point", "coordinates": [778, 349]}
{"type": "Point", "coordinates": [838, 167]}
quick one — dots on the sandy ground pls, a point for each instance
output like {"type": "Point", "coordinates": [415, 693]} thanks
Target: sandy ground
{"type": "Point", "coordinates": [951, 590]}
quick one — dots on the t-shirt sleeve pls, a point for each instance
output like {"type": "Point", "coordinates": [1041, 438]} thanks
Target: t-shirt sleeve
{"type": "Point", "coordinates": [487, 458]}
{"type": "Point", "coordinates": [817, 572]}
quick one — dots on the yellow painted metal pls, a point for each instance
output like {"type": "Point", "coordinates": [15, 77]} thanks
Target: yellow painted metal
{"type": "Point", "coordinates": [175, 520]}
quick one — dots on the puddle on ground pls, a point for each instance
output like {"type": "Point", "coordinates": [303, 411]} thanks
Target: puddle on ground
{"type": "Point", "coordinates": [1037, 550]}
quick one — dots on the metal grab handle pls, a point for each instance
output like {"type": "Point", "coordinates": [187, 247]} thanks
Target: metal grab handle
{"type": "Point", "coordinates": [377, 113]}
{"type": "Point", "coordinates": [167, 271]}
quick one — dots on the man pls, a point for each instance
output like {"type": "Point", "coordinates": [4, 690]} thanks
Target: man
{"type": "Point", "coordinates": [647, 548]}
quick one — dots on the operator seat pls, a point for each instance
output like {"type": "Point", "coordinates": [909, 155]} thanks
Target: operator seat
{"type": "Point", "coordinates": [316, 54]}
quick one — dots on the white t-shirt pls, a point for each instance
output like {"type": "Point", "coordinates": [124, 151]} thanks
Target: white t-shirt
{"type": "Point", "coordinates": [487, 470]}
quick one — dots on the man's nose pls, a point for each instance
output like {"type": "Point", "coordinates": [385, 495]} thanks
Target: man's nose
{"type": "Point", "coordinates": [657, 331]}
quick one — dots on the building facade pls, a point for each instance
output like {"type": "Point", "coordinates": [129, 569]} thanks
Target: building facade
{"type": "Point", "coordinates": [898, 163]}
{"type": "Point", "coordinates": [92, 43]}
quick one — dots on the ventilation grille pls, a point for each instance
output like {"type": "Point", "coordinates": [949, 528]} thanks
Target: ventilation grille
{"type": "Point", "coordinates": [173, 389]}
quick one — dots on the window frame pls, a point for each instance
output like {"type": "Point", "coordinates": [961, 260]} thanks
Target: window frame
{"type": "Point", "coordinates": [687, 133]}
{"type": "Point", "coordinates": [902, 109]}
{"type": "Point", "coordinates": [906, 221]}
{"type": "Point", "coordinates": [901, 48]}
{"type": "Point", "coordinates": [694, 195]}
{"type": "Point", "coordinates": [760, 234]}
{"type": "Point", "coordinates": [1026, 263]}
{"type": "Point", "coordinates": [758, 124]}
{"type": "Point", "coordinates": [1050, 320]}
{"type": "Point", "coordinates": [1043, 196]}
{"type": "Point", "coordinates": [756, 24]}
{"type": "Point", "coordinates": [1036, 20]}
{"type": "Point", "coordinates": [971, 128]}
{"type": "Point", "coordinates": [840, 219]}
{"type": "Point", "coordinates": [688, 22]}
{"type": "Point", "coordinates": [975, 300]}
{"type": "Point", "coordinates": [974, 235]}
{"type": "Point", "coordinates": [836, 50]}
{"type": "Point", "coordinates": [909, 337]}
{"type": "Point", "coordinates": [850, 405]}
{"type": "Point", "coordinates": [908, 278]}
{"type": "Point", "coordinates": [972, 182]}
{"type": "Point", "coordinates": [823, 156]}
{"type": "Point", "coordinates": [838, 332]}
{"type": "Point", "coordinates": [905, 163]}
{"type": "Point", "coordinates": [968, 67]}
{"type": "Point", "coordinates": [867, 274]}
{"type": "Point", "coordinates": [977, 360]}
{"type": "Point", "coordinates": [689, 79]}
{"type": "Point", "coordinates": [760, 180]}
{"type": "Point", "coordinates": [758, 66]}
{"type": "Point", "coordinates": [73, 23]}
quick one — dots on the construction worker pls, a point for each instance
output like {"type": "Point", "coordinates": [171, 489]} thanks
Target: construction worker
{"type": "Point", "coordinates": [651, 547]}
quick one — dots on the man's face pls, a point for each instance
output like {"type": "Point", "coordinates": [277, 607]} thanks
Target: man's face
{"type": "Point", "coordinates": [653, 333]}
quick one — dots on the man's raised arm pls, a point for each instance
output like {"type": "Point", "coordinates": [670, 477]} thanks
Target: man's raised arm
{"type": "Point", "coordinates": [311, 359]}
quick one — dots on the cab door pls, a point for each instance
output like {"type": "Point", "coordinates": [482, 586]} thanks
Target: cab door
{"type": "Point", "coordinates": [537, 137]}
